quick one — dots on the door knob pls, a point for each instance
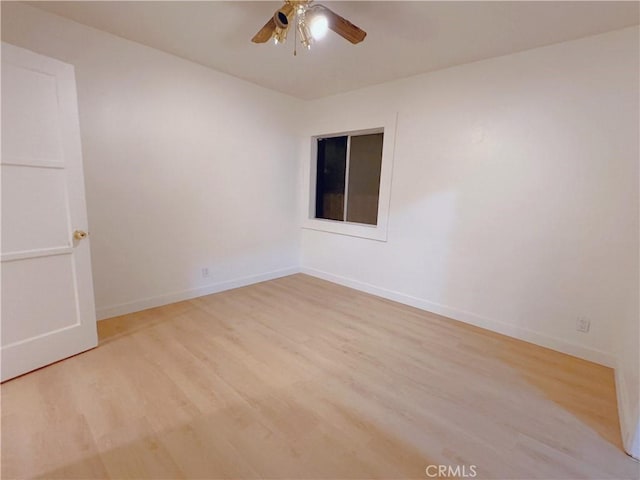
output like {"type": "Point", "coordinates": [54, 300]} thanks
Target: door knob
{"type": "Point", "coordinates": [79, 234]}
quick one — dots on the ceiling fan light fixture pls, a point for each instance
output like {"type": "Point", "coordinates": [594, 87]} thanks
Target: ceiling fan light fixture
{"type": "Point", "coordinates": [305, 34]}
{"type": "Point", "coordinates": [318, 25]}
{"type": "Point", "coordinates": [280, 17]}
{"type": "Point", "coordinates": [280, 35]}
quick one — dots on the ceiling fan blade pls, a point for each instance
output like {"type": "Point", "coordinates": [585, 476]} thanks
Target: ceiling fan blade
{"type": "Point", "coordinates": [344, 27]}
{"type": "Point", "coordinates": [265, 33]}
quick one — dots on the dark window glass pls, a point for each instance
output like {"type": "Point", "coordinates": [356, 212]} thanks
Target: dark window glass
{"type": "Point", "coordinates": [348, 178]}
{"type": "Point", "coordinates": [330, 179]}
{"type": "Point", "coordinates": [365, 162]}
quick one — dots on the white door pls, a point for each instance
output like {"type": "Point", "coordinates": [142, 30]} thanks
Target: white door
{"type": "Point", "coordinates": [47, 303]}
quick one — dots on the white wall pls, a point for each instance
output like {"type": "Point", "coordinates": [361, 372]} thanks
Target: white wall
{"type": "Point", "coordinates": [185, 167]}
{"type": "Point", "coordinates": [514, 203]}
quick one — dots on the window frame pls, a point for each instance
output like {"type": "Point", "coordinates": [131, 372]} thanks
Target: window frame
{"type": "Point", "coordinates": [379, 232]}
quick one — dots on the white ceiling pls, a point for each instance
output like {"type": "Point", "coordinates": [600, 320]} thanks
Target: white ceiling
{"type": "Point", "coordinates": [404, 38]}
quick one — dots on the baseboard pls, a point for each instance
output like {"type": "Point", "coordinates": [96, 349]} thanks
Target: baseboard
{"type": "Point", "coordinates": [628, 425]}
{"type": "Point", "coordinates": [593, 355]}
{"type": "Point", "coordinates": [165, 299]}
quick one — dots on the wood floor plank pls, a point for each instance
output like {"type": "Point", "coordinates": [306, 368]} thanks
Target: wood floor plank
{"type": "Point", "coordinates": [301, 378]}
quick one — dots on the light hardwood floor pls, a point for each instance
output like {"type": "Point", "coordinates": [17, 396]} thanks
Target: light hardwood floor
{"type": "Point", "coordinates": [301, 378]}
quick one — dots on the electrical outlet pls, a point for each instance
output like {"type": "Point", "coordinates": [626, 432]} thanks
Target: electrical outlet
{"type": "Point", "coordinates": [205, 272]}
{"type": "Point", "coordinates": [583, 324]}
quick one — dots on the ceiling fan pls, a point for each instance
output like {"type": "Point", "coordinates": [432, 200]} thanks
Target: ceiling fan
{"type": "Point", "coordinates": [311, 20]}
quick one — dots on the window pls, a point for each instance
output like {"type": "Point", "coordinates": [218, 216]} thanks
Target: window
{"type": "Point", "coordinates": [349, 169]}
{"type": "Point", "coordinates": [348, 177]}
